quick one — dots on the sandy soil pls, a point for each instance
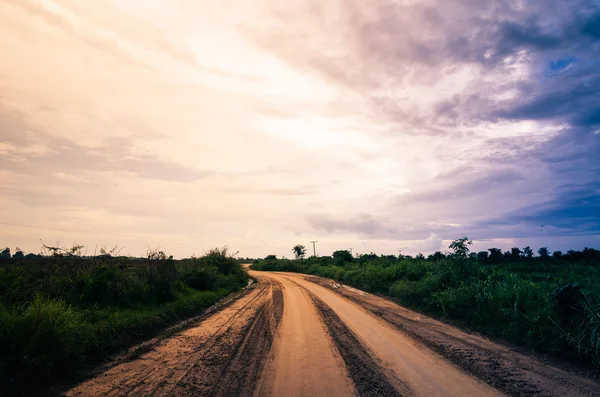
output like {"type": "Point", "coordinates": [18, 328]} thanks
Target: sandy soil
{"type": "Point", "coordinates": [295, 335]}
{"type": "Point", "coordinates": [509, 371]}
{"type": "Point", "coordinates": [210, 358]}
{"type": "Point", "coordinates": [304, 361]}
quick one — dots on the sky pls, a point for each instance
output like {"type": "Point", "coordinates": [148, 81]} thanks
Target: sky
{"type": "Point", "coordinates": [379, 125]}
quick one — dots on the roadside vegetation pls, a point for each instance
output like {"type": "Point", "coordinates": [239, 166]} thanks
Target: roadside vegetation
{"type": "Point", "coordinates": [549, 303]}
{"type": "Point", "coordinates": [61, 311]}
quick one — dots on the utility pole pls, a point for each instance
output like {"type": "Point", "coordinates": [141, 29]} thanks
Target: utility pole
{"type": "Point", "coordinates": [314, 247]}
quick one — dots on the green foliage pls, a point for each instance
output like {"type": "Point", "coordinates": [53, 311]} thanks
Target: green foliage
{"type": "Point", "coordinates": [543, 252]}
{"type": "Point", "coordinates": [5, 253]}
{"type": "Point", "coordinates": [342, 256]}
{"type": "Point", "coordinates": [549, 305]}
{"type": "Point", "coordinates": [61, 311]}
{"type": "Point", "coordinates": [18, 254]}
{"type": "Point", "coordinates": [460, 247]}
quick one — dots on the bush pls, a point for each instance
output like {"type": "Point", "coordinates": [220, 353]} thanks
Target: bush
{"type": "Point", "coordinates": [57, 313]}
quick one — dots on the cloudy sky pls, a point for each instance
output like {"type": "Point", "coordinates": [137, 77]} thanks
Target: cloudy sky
{"type": "Point", "coordinates": [376, 125]}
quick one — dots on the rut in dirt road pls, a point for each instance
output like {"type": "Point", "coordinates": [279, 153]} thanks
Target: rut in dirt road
{"type": "Point", "coordinates": [222, 355]}
{"type": "Point", "coordinates": [409, 367]}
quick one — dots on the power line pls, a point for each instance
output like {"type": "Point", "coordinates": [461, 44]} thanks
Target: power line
{"type": "Point", "coordinates": [314, 247]}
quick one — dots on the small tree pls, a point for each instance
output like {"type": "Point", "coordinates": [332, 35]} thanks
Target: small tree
{"type": "Point", "coordinates": [543, 252]}
{"type": "Point", "coordinates": [483, 256]}
{"type": "Point", "coordinates": [299, 251]}
{"type": "Point", "coordinates": [460, 247]}
{"type": "Point", "coordinates": [5, 253]}
{"type": "Point", "coordinates": [342, 256]}
{"type": "Point", "coordinates": [515, 253]}
{"type": "Point", "coordinates": [495, 255]}
{"type": "Point", "coordinates": [557, 254]}
{"type": "Point", "coordinates": [18, 253]}
{"type": "Point", "coordinates": [271, 258]}
{"type": "Point", "coordinates": [436, 256]}
{"type": "Point", "coordinates": [527, 252]}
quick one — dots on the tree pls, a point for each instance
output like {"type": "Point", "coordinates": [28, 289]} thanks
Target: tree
{"type": "Point", "coordinates": [5, 253]}
{"type": "Point", "coordinates": [495, 255]}
{"type": "Point", "coordinates": [557, 254]}
{"type": "Point", "coordinates": [460, 247]}
{"type": "Point", "coordinates": [543, 252]}
{"type": "Point", "coordinates": [342, 256]}
{"type": "Point", "coordinates": [18, 254]}
{"type": "Point", "coordinates": [420, 256]}
{"type": "Point", "coordinates": [527, 252]}
{"type": "Point", "coordinates": [515, 253]}
{"type": "Point", "coordinates": [436, 256]}
{"type": "Point", "coordinates": [299, 251]}
{"type": "Point", "coordinates": [271, 258]}
{"type": "Point", "coordinates": [483, 256]}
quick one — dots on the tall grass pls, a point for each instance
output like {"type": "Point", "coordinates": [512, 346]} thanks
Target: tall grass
{"type": "Point", "coordinates": [59, 313]}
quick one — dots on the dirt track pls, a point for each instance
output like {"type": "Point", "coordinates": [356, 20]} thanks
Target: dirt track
{"type": "Point", "coordinates": [293, 335]}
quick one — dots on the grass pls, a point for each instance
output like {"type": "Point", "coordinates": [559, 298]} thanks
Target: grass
{"type": "Point", "coordinates": [60, 313]}
{"type": "Point", "coordinates": [548, 305]}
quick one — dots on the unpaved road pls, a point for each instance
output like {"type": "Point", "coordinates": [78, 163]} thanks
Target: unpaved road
{"type": "Point", "coordinates": [294, 335]}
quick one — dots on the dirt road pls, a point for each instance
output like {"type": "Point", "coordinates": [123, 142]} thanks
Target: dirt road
{"type": "Point", "coordinates": [292, 335]}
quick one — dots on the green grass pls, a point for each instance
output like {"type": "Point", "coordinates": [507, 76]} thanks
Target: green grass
{"type": "Point", "coordinates": [544, 304]}
{"type": "Point", "coordinates": [58, 314]}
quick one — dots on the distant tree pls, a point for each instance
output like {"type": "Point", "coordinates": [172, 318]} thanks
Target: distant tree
{"type": "Point", "coordinates": [5, 253]}
{"type": "Point", "coordinates": [271, 258]}
{"type": "Point", "coordinates": [483, 256]}
{"type": "Point", "coordinates": [557, 254]}
{"type": "Point", "coordinates": [507, 255]}
{"type": "Point", "coordinates": [515, 253]}
{"type": "Point", "coordinates": [436, 256]}
{"type": "Point", "coordinates": [18, 253]}
{"type": "Point", "coordinates": [527, 252]}
{"type": "Point", "coordinates": [472, 255]}
{"type": "Point", "coordinates": [495, 255]}
{"type": "Point", "coordinates": [420, 256]}
{"type": "Point", "coordinates": [342, 256]}
{"type": "Point", "coordinates": [543, 252]}
{"type": "Point", "coordinates": [460, 247]}
{"type": "Point", "coordinates": [299, 251]}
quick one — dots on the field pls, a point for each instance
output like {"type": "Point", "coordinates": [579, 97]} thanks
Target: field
{"type": "Point", "coordinates": [546, 304]}
{"type": "Point", "coordinates": [61, 312]}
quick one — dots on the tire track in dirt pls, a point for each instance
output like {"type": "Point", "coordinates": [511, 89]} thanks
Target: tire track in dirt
{"type": "Point", "coordinates": [512, 373]}
{"type": "Point", "coordinates": [194, 361]}
{"type": "Point", "coordinates": [241, 375]}
{"type": "Point", "coordinates": [369, 379]}
{"type": "Point", "coordinates": [304, 360]}
{"type": "Point", "coordinates": [425, 372]}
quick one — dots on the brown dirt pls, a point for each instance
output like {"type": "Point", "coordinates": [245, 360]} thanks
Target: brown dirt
{"type": "Point", "coordinates": [513, 373]}
{"type": "Point", "coordinates": [304, 360]}
{"type": "Point", "coordinates": [240, 377]}
{"type": "Point", "coordinates": [203, 360]}
{"type": "Point", "coordinates": [368, 378]}
{"type": "Point", "coordinates": [425, 372]}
